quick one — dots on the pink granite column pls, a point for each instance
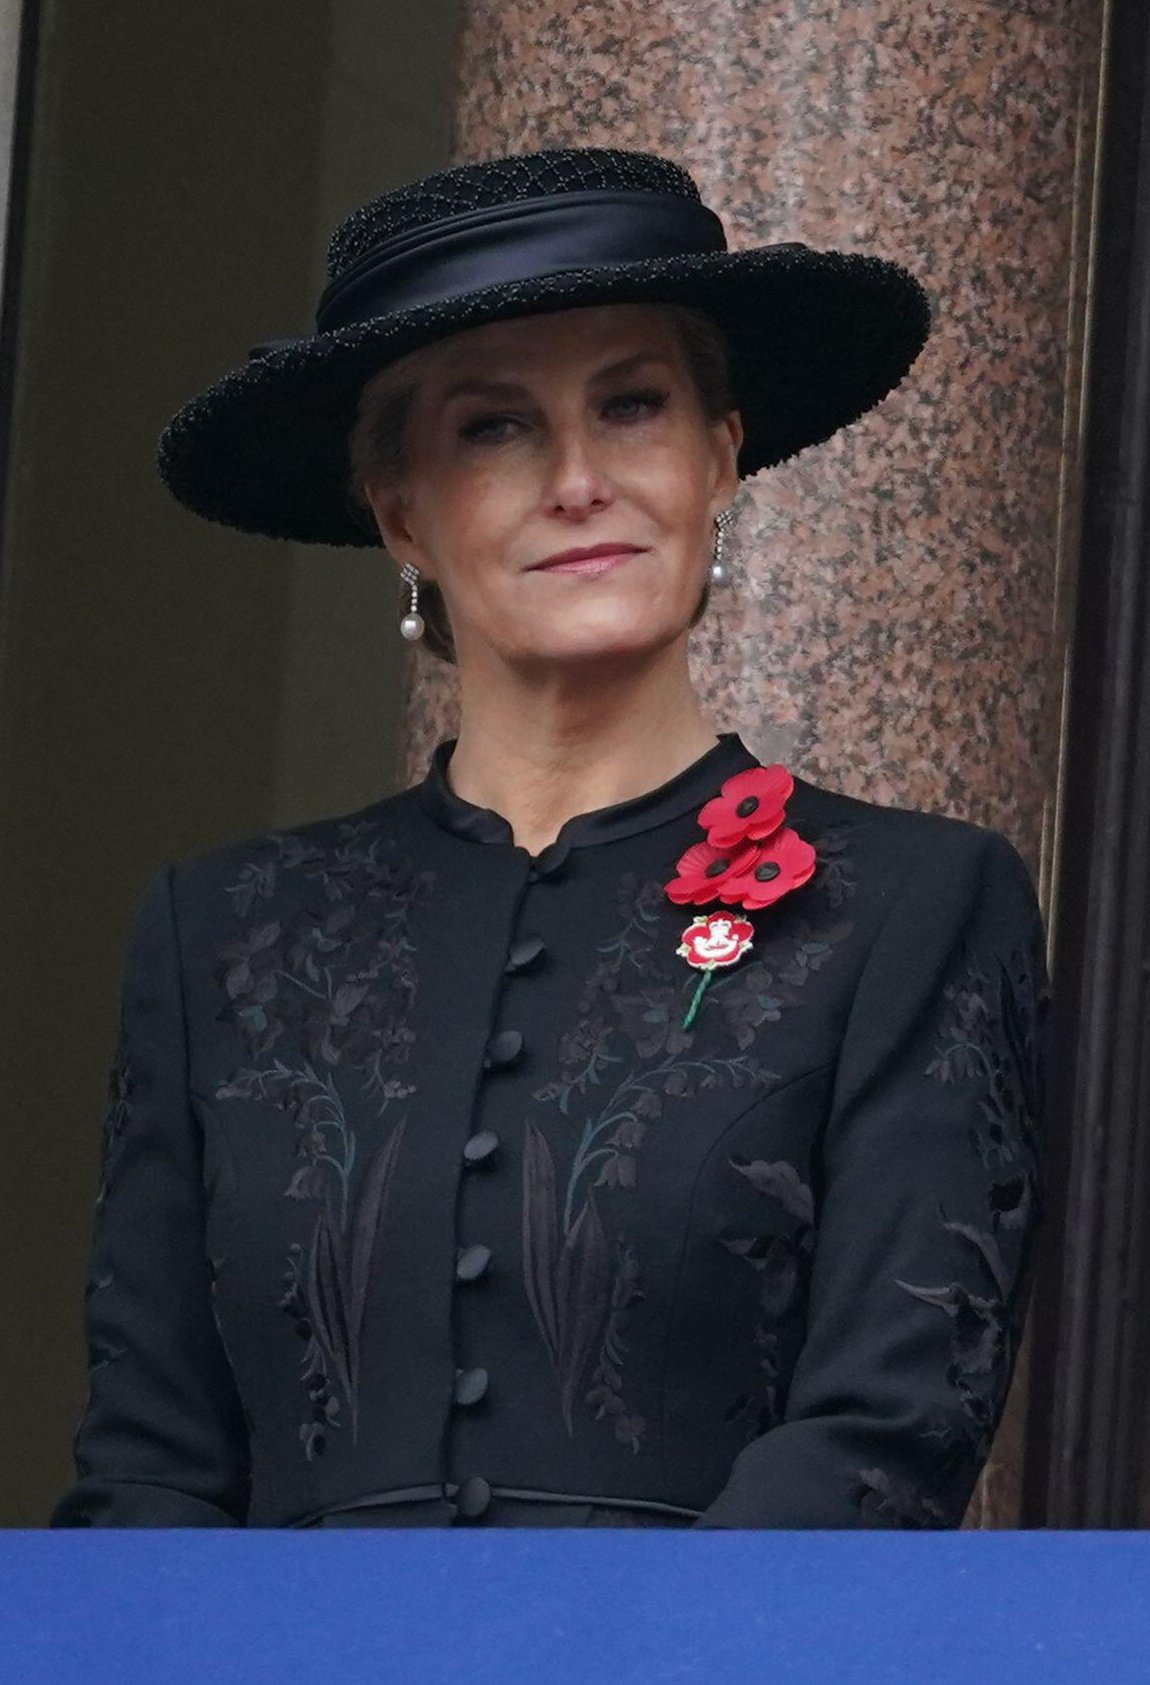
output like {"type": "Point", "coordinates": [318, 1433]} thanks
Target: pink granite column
{"type": "Point", "coordinates": [896, 623]}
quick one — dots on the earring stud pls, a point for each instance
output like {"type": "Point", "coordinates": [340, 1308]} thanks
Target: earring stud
{"type": "Point", "coordinates": [411, 625]}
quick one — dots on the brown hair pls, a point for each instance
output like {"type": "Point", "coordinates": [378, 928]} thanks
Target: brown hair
{"type": "Point", "coordinates": [376, 442]}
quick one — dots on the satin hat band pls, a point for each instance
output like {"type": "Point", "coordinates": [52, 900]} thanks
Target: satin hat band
{"type": "Point", "coordinates": [518, 241]}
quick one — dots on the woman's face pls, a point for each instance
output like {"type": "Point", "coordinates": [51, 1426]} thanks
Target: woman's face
{"type": "Point", "coordinates": [548, 433]}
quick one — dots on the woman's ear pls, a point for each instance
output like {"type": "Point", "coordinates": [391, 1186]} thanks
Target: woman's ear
{"type": "Point", "coordinates": [390, 514]}
{"type": "Point", "coordinates": [728, 435]}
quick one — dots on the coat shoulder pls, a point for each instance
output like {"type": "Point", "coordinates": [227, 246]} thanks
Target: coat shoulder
{"type": "Point", "coordinates": [385, 814]}
{"type": "Point", "coordinates": [258, 867]}
{"type": "Point", "coordinates": [903, 835]}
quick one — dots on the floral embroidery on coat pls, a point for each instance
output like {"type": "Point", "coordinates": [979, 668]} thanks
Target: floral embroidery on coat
{"type": "Point", "coordinates": [117, 1116]}
{"type": "Point", "coordinates": [888, 1501]}
{"type": "Point", "coordinates": [117, 1120]}
{"type": "Point", "coordinates": [341, 978]}
{"type": "Point", "coordinates": [580, 1286]}
{"type": "Point", "coordinates": [783, 1265]}
{"type": "Point", "coordinates": [988, 1034]}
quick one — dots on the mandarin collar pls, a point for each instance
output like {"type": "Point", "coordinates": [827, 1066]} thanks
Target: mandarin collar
{"type": "Point", "coordinates": [684, 793]}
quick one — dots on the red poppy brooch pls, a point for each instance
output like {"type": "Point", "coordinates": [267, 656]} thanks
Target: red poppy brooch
{"type": "Point", "coordinates": [751, 858]}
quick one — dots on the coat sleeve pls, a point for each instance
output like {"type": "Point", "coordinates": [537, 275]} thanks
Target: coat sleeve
{"type": "Point", "coordinates": [162, 1440]}
{"type": "Point", "coordinates": [928, 1200]}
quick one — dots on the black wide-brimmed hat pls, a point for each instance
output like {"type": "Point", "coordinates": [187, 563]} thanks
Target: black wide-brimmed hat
{"type": "Point", "coordinates": [817, 338]}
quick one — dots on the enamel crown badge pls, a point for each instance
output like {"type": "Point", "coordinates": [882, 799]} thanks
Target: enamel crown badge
{"type": "Point", "coordinates": [751, 858]}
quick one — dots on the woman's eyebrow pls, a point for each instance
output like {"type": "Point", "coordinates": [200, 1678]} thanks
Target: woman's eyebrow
{"type": "Point", "coordinates": [626, 364]}
{"type": "Point", "coordinates": [482, 389]}
{"type": "Point", "coordinates": [473, 386]}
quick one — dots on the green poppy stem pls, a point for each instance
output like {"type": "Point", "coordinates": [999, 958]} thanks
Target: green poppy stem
{"type": "Point", "coordinates": [696, 998]}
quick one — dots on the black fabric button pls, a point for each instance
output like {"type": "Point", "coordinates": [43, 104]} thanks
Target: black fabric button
{"type": "Point", "coordinates": [474, 1496]}
{"type": "Point", "coordinates": [549, 862]}
{"type": "Point", "coordinates": [471, 1261]}
{"type": "Point", "coordinates": [470, 1385]}
{"type": "Point", "coordinates": [523, 951]}
{"type": "Point", "coordinates": [503, 1049]}
{"type": "Point", "coordinates": [478, 1147]}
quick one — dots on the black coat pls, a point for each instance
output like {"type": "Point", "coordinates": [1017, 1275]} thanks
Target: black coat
{"type": "Point", "coordinates": [418, 1203]}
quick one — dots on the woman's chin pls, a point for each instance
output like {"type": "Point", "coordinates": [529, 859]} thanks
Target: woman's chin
{"type": "Point", "coordinates": [597, 644]}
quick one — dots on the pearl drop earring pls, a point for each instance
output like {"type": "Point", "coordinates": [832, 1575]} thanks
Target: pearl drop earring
{"type": "Point", "coordinates": [720, 573]}
{"type": "Point", "coordinates": [412, 623]}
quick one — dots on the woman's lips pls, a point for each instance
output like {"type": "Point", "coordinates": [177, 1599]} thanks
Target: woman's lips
{"type": "Point", "coordinates": [590, 564]}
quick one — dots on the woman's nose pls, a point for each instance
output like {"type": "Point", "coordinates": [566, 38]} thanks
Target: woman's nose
{"type": "Point", "coordinates": [577, 472]}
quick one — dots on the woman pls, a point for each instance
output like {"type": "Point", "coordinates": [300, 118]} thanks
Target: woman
{"type": "Point", "coordinates": [607, 1129]}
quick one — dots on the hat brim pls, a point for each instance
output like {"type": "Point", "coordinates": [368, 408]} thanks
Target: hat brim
{"type": "Point", "coordinates": [818, 338]}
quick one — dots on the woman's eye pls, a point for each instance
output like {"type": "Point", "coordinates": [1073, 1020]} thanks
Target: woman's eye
{"type": "Point", "coordinates": [481, 426]}
{"type": "Point", "coordinates": [494, 427]}
{"type": "Point", "coordinates": [650, 398]}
